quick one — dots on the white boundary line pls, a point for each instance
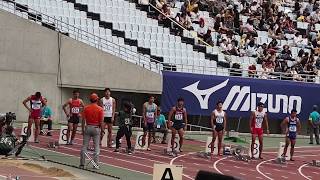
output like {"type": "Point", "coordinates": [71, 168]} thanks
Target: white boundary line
{"type": "Point", "coordinates": [258, 166]}
{"type": "Point", "coordinates": [100, 162]}
{"type": "Point", "coordinates": [173, 159]}
{"type": "Point", "coordinates": [216, 163]}
{"type": "Point", "coordinates": [300, 171]}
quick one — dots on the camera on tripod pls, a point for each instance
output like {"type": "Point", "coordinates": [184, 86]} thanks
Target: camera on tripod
{"type": "Point", "coordinates": [7, 119]}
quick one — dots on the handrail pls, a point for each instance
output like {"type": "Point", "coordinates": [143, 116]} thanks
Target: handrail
{"type": "Point", "coordinates": [61, 26]}
{"type": "Point", "coordinates": [195, 37]}
{"type": "Point", "coordinates": [103, 44]}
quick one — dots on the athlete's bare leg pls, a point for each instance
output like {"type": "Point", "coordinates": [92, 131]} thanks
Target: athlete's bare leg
{"type": "Point", "coordinates": [285, 149]}
{"type": "Point", "coordinates": [214, 136]}
{"type": "Point", "coordinates": [173, 137]}
{"type": "Point", "coordinates": [37, 129]}
{"type": "Point", "coordinates": [181, 133]}
{"type": "Point", "coordinates": [293, 143]}
{"type": "Point", "coordinates": [253, 140]}
{"type": "Point", "coordinates": [30, 121]}
{"type": "Point", "coordinates": [68, 132]}
{"type": "Point", "coordinates": [144, 138]}
{"type": "Point", "coordinates": [260, 146]}
{"type": "Point", "coordinates": [109, 134]}
{"type": "Point", "coordinates": [101, 133]}
{"type": "Point", "coordinates": [220, 136]}
{"type": "Point", "coordinates": [74, 131]}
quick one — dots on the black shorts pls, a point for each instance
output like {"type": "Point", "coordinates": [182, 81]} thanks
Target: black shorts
{"type": "Point", "coordinates": [178, 126]}
{"type": "Point", "coordinates": [74, 119]}
{"type": "Point", "coordinates": [107, 120]}
{"type": "Point", "coordinates": [219, 128]}
{"type": "Point", "coordinates": [149, 127]}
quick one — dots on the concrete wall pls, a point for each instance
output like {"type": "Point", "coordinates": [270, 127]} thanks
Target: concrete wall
{"type": "Point", "coordinates": [29, 62]}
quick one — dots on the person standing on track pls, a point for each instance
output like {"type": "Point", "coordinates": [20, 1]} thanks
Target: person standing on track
{"type": "Point", "coordinates": [291, 126]}
{"type": "Point", "coordinates": [149, 115]}
{"type": "Point", "coordinates": [92, 126]}
{"type": "Point", "coordinates": [109, 106]}
{"type": "Point", "coordinates": [218, 124]}
{"type": "Point", "coordinates": [161, 126]}
{"type": "Point", "coordinates": [36, 103]}
{"type": "Point", "coordinates": [314, 120]}
{"type": "Point", "coordinates": [177, 122]}
{"type": "Point", "coordinates": [75, 105]}
{"type": "Point", "coordinates": [257, 119]}
{"type": "Point", "coordinates": [125, 126]}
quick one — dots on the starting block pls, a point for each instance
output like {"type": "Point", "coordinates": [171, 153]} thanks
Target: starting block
{"type": "Point", "coordinates": [315, 163]}
{"type": "Point", "coordinates": [53, 144]}
{"type": "Point", "coordinates": [24, 132]}
{"type": "Point", "coordinates": [280, 160]}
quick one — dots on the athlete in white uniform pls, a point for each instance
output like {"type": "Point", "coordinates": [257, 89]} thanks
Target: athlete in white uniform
{"type": "Point", "coordinates": [109, 106]}
{"type": "Point", "coordinates": [218, 124]}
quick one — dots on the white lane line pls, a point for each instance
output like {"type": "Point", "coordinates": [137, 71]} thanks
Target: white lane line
{"type": "Point", "coordinates": [293, 173]}
{"type": "Point", "coordinates": [284, 177]}
{"type": "Point", "coordinates": [267, 173]}
{"type": "Point", "coordinates": [243, 174]}
{"type": "Point", "coordinates": [99, 162]}
{"type": "Point", "coordinates": [276, 170]}
{"type": "Point", "coordinates": [237, 167]}
{"type": "Point", "coordinates": [196, 164]}
{"type": "Point", "coordinates": [173, 159]}
{"type": "Point", "coordinates": [259, 178]}
{"type": "Point", "coordinates": [314, 172]}
{"type": "Point", "coordinates": [252, 170]}
{"type": "Point", "coordinates": [216, 162]}
{"type": "Point", "coordinates": [227, 170]}
{"type": "Point", "coordinates": [300, 172]}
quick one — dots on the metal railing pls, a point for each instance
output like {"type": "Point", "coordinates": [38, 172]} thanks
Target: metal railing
{"type": "Point", "coordinates": [80, 34]}
{"type": "Point", "coordinates": [125, 53]}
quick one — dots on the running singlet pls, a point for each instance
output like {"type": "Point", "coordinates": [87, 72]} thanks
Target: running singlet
{"type": "Point", "coordinates": [107, 106]}
{"type": "Point", "coordinates": [219, 117]}
{"type": "Point", "coordinates": [259, 117]}
{"type": "Point", "coordinates": [36, 105]}
{"type": "Point", "coordinates": [150, 112]}
{"type": "Point", "coordinates": [75, 107]}
{"type": "Point", "coordinates": [292, 125]}
{"type": "Point", "coordinates": [179, 115]}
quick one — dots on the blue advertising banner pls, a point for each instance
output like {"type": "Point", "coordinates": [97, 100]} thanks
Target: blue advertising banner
{"type": "Point", "coordinates": [240, 95]}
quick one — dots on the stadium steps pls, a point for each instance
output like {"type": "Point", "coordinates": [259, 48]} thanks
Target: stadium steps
{"type": "Point", "coordinates": [109, 25]}
{"type": "Point", "coordinates": [187, 40]}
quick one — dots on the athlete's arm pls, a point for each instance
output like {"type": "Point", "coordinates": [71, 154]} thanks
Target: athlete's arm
{"type": "Point", "coordinates": [81, 105]}
{"type": "Point", "coordinates": [113, 109]}
{"type": "Point", "coordinates": [284, 125]}
{"type": "Point", "coordinates": [155, 113]}
{"type": "Point", "coordinates": [250, 120]}
{"type": "Point", "coordinates": [266, 122]}
{"type": "Point", "coordinates": [83, 122]}
{"type": "Point", "coordinates": [25, 103]}
{"type": "Point", "coordinates": [170, 116]}
{"type": "Point", "coordinates": [185, 119]}
{"type": "Point", "coordinates": [101, 116]}
{"type": "Point", "coordinates": [144, 113]}
{"type": "Point", "coordinates": [100, 103]}
{"type": "Point", "coordinates": [225, 121]}
{"type": "Point", "coordinates": [212, 120]}
{"type": "Point", "coordinates": [64, 108]}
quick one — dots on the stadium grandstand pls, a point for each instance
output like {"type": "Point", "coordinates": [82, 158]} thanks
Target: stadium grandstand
{"type": "Point", "coordinates": [220, 73]}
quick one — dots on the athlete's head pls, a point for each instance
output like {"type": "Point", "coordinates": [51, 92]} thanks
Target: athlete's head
{"type": "Point", "coordinates": [219, 105]}
{"type": "Point", "coordinates": [127, 106]}
{"type": "Point", "coordinates": [151, 99]}
{"type": "Point", "coordinates": [180, 102]}
{"type": "Point", "coordinates": [94, 98]}
{"type": "Point", "coordinates": [315, 108]}
{"type": "Point", "coordinates": [293, 113]}
{"type": "Point", "coordinates": [38, 95]}
{"type": "Point", "coordinates": [260, 106]}
{"type": "Point", "coordinates": [76, 93]}
{"type": "Point", "coordinates": [45, 101]}
{"type": "Point", "coordinates": [107, 92]}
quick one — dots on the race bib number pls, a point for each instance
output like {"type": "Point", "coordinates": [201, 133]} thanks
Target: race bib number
{"type": "Point", "coordinates": [107, 107]}
{"type": "Point", "coordinates": [178, 117]}
{"type": "Point", "coordinates": [36, 105]}
{"type": "Point", "coordinates": [6, 141]}
{"type": "Point", "coordinates": [259, 122]}
{"type": "Point", "coordinates": [292, 128]}
{"type": "Point", "coordinates": [158, 126]}
{"type": "Point", "coordinates": [150, 115]}
{"type": "Point", "coordinates": [219, 120]}
{"type": "Point", "coordinates": [75, 110]}
{"type": "Point", "coordinates": [127, 121]}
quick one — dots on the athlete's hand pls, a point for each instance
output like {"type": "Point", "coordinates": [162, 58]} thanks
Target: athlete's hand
{"type": "Point", "coordinates": [268, 132]}
{"type": "Point", "coordinates": [68, 115]}
{"type": "Point", "coordinates": [112, 120]}
{"type": "Point", "coordinates": [30, 110]}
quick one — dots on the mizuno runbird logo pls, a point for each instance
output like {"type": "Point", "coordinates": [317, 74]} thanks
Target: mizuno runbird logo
{"type": "Point", "coordinates": [193, 88]}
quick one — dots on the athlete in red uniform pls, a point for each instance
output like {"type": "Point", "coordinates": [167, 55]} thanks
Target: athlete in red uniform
{"type": "Point", "coordinates": [36, 103]}
{"type": "Point", "coordinates": [257, 119]}
{"type": "Point", "coordinates": [76, 105]}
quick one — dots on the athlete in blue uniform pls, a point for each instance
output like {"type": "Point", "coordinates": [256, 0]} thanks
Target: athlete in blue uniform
{"type": "Point", "coordinates": [178, 121]}
{"type": "Point", "coordinates": [291, 126]}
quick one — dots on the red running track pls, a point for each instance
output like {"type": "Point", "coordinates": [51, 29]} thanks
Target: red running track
{"type": "Point", "coordinates": [142, 161]}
